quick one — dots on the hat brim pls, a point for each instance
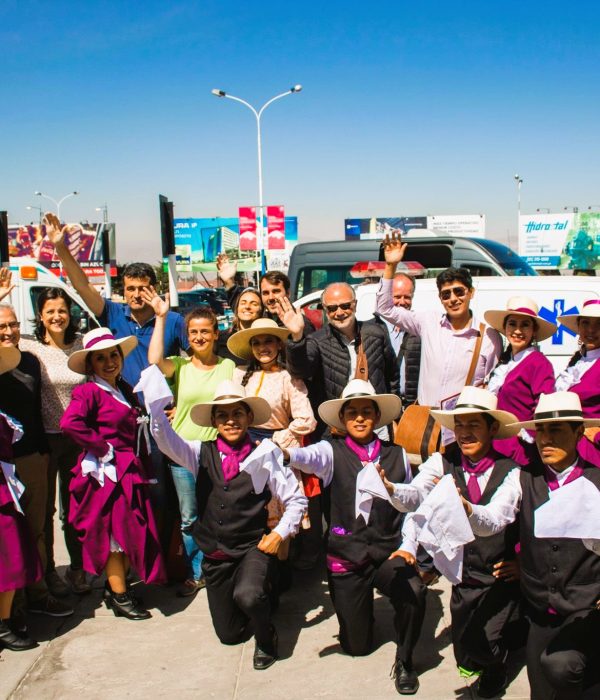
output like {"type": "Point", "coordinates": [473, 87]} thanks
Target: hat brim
{"type": "Point", "coordinates": [495, 318]}
{"type": "Point", "coordinates": [586, 422]}
{"type": "Point", "coordinates": [571, 321]}
{"type": "Point", "coordinates": [389, 406]}
{"type": "Point", "coordinates": [201, 413]}
{"type": "Point", "coordinates": [9, 358]}
{"type": "Point", "coordinates": [506, 420]}
{"type": "Point", "coordinates": [239, 343]}
{"type": "Point", "coordinates": [76, 361]}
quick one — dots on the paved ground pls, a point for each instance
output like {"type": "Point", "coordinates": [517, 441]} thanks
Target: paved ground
{"type": "Point", "coordinates": [176, 654]}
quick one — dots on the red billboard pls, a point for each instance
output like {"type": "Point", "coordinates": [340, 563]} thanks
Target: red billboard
{"type": "Point", "coordinates": [247, 228]}
{"type": "Point", "coordinates": [275, 228]}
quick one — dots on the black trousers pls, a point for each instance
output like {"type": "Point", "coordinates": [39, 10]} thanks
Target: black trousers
{"type": "Point", "coordinates": [563, 655]}
{"type": "Point", "coordinates": [352, 597]}
{"type": "Point", "coordinates": [239, 591]}
{"type": "Point", "coordinates": [481, 616]}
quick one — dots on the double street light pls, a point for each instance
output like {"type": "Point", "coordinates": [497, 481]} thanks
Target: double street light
{"type": "Point", "coordinates": [258, 114]}
{"type": "Point", "coordinates": [56, 203]}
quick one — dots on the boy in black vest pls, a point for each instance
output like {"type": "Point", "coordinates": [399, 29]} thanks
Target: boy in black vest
{"type": "Point", "coordinates": [240, 554]}
{"type": "Point", "coordinates": [365, 531]}
{"type": "Point", "coordinates": [560, 576]}
{"type": "Point", "coordinates": [486, 602]}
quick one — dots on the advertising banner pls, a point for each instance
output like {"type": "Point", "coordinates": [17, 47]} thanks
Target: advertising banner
{"type": "Point", "coordinates": [275, 228]}
{"type": "Point", "coordinates": [248, 240]}
{"type": "Point", "coordinates": [83, 239]}
{"type": "Point", "coordinates": [466, 225]}
{"type": "Point", "coordinates": [566, 241]}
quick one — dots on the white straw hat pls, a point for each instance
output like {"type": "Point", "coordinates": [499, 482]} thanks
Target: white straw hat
{"type": "Point", "coordinates": [10, 357]}
{"type": "Point", "coordinates": [99, 339]}
{"type": "Point", "coordinates": [228, 392]}
{"type": "Point", "coordinates": [590, 309]}
{"type": "Point", "coordinates": [520, 306]}
{"type": "Point", "coordinates": [389, 405]}
{"type": "Point", "coordinates": [559, 407]}
{"type": "Point", "coordinates": [472, 399]}
{"type": "Point", "coordinates": [239, 343]}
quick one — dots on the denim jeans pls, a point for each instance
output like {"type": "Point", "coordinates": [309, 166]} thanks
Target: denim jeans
{"type": "Point", "coordinates": [185, 486]}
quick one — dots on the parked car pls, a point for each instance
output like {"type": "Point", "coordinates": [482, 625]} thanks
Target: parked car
{"type": "Point", "coordinates": [215, 297]}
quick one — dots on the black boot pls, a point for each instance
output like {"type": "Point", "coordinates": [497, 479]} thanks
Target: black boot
{"type": "Point", "coordinates": [124, 605]}
{"type": "Point", "coordinates": [11, 640]}
{"type": "Point", "coordinates": [492, 681]}
{"type": "Point", "coordinates": [266, 656]}
{"type": "Point", "coordinates": [405, 677]}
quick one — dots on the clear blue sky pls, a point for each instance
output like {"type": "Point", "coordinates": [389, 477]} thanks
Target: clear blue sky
{"type": "Point", "coordinates": [407, 109]}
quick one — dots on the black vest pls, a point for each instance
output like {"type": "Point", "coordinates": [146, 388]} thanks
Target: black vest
{"type": "Point", "coordinates": [231, 517]}
{"type": "Point", "coordinates": [378, 539]}
{"type": "Point", "coordinates": [558, 573]}
{"type": "Point", "coordinates": [481, 554]}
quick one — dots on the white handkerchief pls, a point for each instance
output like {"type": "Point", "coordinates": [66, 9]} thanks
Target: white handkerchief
{"type": "Point", "coordinates": [368, 486]}
{"type": "Point", "coordinates": [91, 465]}
{"type": "Point", "coordinates": [572, 511]}
{"type": "Point", "coordinates": [157, 395]}
{"type": "Point", "coordinates": [444, 528]}
{"type": "Point", "coordinates": [264, 462]}
{"type": "Point", "coordinates": [15, 487]}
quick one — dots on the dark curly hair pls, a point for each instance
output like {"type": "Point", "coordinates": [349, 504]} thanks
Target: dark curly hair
{"type": "Point", "coordinates": [48, 294]}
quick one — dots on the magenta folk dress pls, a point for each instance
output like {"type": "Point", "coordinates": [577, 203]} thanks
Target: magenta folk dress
{"type": "Point", "coordinates": [20, 563]}
{"type": "Point", "coordinates": [519, 393]}
{"type": "Point", "coordinates": [113, 511]}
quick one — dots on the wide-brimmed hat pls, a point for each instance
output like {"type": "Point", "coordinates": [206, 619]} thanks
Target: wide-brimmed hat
{"type": "Point", "coordinates": [229, 392]}
{"type": "Point", "coordinates": [99, 339]}
{"type": "Point", "coordinates": [239, 343]}
{"type": "Point", "coordinates": [559, 407]}
{"type": "Point", "coordinates": [389, 405]}
{"type": "Point", "coordinates": [590, 309]}
{"type": "Point", "coordinates": [9, 358]}
{"type": "Point", "coordinates": [520, 306]}
{"type": "Point", "coordinates": [472, 399]}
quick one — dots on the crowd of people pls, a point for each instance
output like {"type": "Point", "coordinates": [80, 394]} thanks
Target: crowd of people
{"type": "Point", "coordinates": [251, 444]}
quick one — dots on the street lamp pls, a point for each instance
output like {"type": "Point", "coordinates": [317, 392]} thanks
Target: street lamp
{"type": "Point", "coordinates": [593, 206]}
{"type": "Point", "coordinates": [31, 207]}
{"type": "Point", "coordinates": [258, 114]}
{"type": "Point", "coordinates": [519, 181]}
{"type": "Point", "coordinates": [575, 210]}
{"type": "Point", "coordinates": [56, 203]}
{"type": "Point", "coordinates": [546, 209]}
{"type": "Point", "coordinates": [104, 210]}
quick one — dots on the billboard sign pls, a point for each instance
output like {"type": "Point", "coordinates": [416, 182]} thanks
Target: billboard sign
{"type": "Point", "coordinates": [375, 228]}
{"type": "Point", "coordinates": [566, 241]}
{"type": "Point", "coordinates": [247, 228]}
{"type": "Point", "coordinates": [468, 225]}
{"type": "Point", "coordinates": [84, 240]}
{"type": "Point", "coordinates": [275, 228]}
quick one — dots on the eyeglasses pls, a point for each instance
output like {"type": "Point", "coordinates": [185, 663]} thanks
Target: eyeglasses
{"type": "Point", "coordinates": [459, 292]}
{"type": "Point", "coordinates": [13, 325]}
{"type": "Point", "coordinates": [332, 308]}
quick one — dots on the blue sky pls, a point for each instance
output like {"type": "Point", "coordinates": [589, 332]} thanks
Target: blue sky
{"type": "Point", "coordinates": [407, 109]}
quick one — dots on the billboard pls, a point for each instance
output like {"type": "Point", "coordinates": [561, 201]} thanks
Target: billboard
{"type": "Point", "coordinates": [567, 241]}
{"type": "Point", "coordinates": [375, 228]}
{"type": "Point", "coordinates": [199, 241]}
{"type": "Point", "coordinates": [83, 239]}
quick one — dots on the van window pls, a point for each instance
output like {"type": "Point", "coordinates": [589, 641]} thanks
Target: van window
{"type": "Point", "coordinates": [311, 279]}
{"type": "Point", "coordinates": [480, 270]}
{"type": "Point", "coordinates": [80, 315]}
{"type": "Point", "coordinates": [508, 260]}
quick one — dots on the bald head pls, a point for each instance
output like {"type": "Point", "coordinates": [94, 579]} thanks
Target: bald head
{"type": "Point", "coordinates": [339, 302]}
{"type": "Point", "coordinates": [403, 291]}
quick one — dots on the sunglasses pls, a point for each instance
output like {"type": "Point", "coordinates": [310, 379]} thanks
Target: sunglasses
{"type": "Point", "coordinates": [459, 292]}
{"type": "Point", "coordinates": [346, 306]}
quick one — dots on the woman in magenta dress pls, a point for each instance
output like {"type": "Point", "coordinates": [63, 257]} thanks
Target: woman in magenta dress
{"type": "Point", "coordinates": [582, 376]}
{"type": "Point", "coordinates": [110, 506]}
{"type": "Point", "coordinates": [523, 373]}
{"type": "Point", "coordinates": [20, 563]}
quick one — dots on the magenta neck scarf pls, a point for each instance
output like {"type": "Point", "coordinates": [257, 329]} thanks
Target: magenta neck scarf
{"type": "Point", "coordinates": [361, 451]}
{"type": "Point", "coordinates": [233, 456]}
{"type": "Point", "coordinates": [552, 481]}
{"type": "Point", "coordinates": [473, 470]}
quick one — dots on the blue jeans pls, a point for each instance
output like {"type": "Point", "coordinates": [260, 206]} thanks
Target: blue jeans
{"type": "Point", "coordinates": [185, 486]}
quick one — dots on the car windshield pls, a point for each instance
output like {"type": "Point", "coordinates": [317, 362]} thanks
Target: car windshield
{"type": "Point", "coordinates": [510, 262]}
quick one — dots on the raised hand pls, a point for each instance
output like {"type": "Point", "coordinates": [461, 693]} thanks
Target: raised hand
{"type": "Point", "coordinates": [226, 269]}
{"type": "Point", "coordinates": [393, 248]}
{"type": "Point", "coordinates": [54, 232]}
{"type": "Point", "coordinates": [161, 306]}
{"type": "Point", "coordinates": [6, 285]}
{"type": "Point", "coordinates": [292, 318]}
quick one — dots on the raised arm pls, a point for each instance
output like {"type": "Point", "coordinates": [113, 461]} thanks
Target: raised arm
{"type": "Point", "coordinates": [186, 453]}
{"type": "Point", "coordinates": [6, 285]}
{"type": "Point", "coordinates": [156, 349]}
{"type": "Point", "coordinates": [90, 295]}
{"type": "Point", "coordinates": [500, 511]}
{"type": "Point", "coordinates": [314, 459]}
{"type": "Point", "coordinates": [408, 497]}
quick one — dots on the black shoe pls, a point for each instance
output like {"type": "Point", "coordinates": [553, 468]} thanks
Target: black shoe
{"type": "Point", "coordinates": [405, 678]}
{"type": "Point", "coordinates": [124, 605]}
{"type": "Point", "coordinates": [264, 658]}
{"type": "Point", "coordinates": [492, 682]}
{"type": "Point", "coordinates": [14, 642]}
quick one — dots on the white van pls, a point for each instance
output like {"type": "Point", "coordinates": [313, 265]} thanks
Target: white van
{"type": "Point", "coordinates": [554, 295]}
{"type": "Point", "coordinates": [30, 278]}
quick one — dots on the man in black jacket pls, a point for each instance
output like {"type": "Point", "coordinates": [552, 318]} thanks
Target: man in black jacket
{"type": "Point", "coordinates": [342, 350]}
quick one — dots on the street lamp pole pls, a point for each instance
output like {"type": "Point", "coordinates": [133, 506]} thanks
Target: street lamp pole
{"type": "Point", "coordinates": [519, 181]}
{"type": "Point", "coordinates": [105, 251]}
{"type": "Point", "coordinates": [104, 210]}
{"type": "Point", "coordinates": [258, 114]}
{"type": "Point", "coordinates": [56, 203]}
{"type": "Point", "coordinates": [31, 207]}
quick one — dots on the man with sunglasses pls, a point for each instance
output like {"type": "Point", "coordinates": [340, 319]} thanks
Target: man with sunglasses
{"type": "Point", "coordinates": [342, 350]}
{"type": "Point", "coordinates": [448, 339]}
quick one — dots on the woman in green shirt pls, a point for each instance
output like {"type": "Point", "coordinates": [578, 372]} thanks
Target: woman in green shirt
{"type": "Point", "coordinates": [194, 381]}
